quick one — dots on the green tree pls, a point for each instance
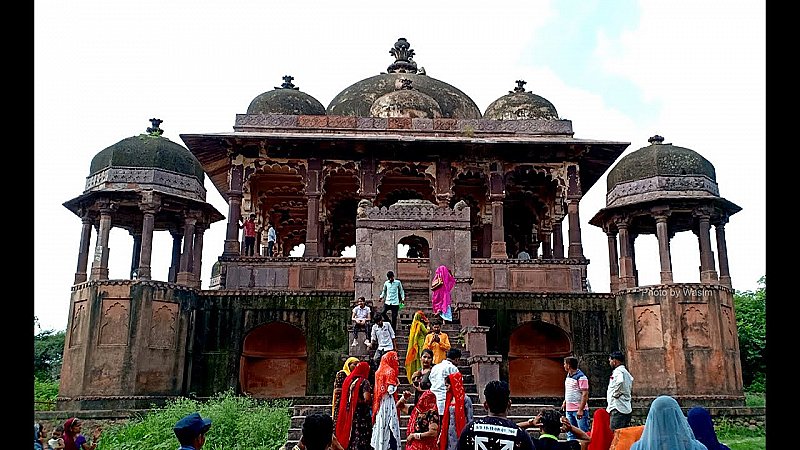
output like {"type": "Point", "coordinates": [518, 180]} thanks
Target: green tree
{"type": "Point", "coordinates": [752, 325]}
{"type": "Point", "coordinates": [48, 349]}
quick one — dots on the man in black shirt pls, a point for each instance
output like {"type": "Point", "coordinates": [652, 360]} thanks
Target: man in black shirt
{"type": "Point", "coordinates": [495, 431]}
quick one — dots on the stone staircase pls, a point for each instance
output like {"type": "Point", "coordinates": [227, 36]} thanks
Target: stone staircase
{"type": "Point", "coordinates": [416, 299]}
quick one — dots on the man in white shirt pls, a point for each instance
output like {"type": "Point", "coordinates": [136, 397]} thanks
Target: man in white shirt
{"type": "Point", "coordinates": [618, 395]}
{"type": "Point", "coordinates": [360, 317]}
{"type": "Point", "coordinates": [438, 374]}
{"type": "Point", "coordinates": [383, 335]}
{"type": "Point", "coordinates": [272, 237]}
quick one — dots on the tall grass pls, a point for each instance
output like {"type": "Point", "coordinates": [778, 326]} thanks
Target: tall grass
{"type": "Point", "coordinates": [237, 423]}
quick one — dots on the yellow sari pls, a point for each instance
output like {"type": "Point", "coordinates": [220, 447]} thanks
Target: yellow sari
{"type": "Point", "coordinates": [416, 342]}
{"type": "Point", "coordinates": [338, 381]}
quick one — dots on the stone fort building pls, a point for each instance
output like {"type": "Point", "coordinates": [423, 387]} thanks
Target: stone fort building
{"type": "Point", "coordinates": [396, 158]}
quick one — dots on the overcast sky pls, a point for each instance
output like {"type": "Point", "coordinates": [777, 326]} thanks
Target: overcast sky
{"type": "Point", "coordinates": [691, 71]}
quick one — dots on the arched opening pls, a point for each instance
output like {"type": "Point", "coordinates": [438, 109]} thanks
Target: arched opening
{"type": "Point", "coordinates": [417, 247]}
{"type": "Point", "coordinates": [274, 362]}
{"type": "Point", "coordinates": [536, 354]}
{"type": "Point", "coordinates": [412, 265]}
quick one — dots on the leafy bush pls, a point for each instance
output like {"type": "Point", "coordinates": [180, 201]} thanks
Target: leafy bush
{"type": "Point", "coordinates": [751, 323]}
{"type": "Point", "coordinates": [44, 394]}
{"type": "Point", "coordinates": [48, 349]}
{"type": "Point", "coordinates": [238, 423]}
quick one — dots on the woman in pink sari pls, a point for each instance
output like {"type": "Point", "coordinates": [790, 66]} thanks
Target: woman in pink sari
{"type": "Point", "coordinates": [441, 286]}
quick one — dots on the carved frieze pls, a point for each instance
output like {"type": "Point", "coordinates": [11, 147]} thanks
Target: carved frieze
{"type": "Point", "coordinates": [650, 188]}
{"type": "Point", "coordinates": [130, 179]}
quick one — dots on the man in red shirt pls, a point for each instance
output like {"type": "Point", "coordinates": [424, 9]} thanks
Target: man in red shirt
{"type": "Point", "coordinates": [249, 226]}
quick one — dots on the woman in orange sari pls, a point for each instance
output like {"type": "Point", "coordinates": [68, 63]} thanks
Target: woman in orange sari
{"type": "Point", "coordinates": [354, 425]}
{"type": "Point", "coordinates": [423, 425]}
{"type": "Point", "coordinates": [385, 419]}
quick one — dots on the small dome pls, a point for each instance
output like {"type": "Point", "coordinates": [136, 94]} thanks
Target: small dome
{"type": "Point", "coordinates": [357, 99]}
{"type": "Point", "coordinates": [406, 102]}
{"type": "Point", "coordinates": [150, 150]}
{"type": "Point", "coordinates": [659, 159]}
{"type": "Point", "coordinates": [286, 99]}
{"type": "Point", "coordinates": [519, 104]}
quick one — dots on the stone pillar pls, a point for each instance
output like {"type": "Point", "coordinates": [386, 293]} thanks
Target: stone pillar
{"type": "Point", "coordinates": [496, 196]}
{"type": "Point", "coordinates": [135, 255]}
{"type": "Point", "coordinates": [368, 187]}
{"type": "Point", "coordinates": [444, 183]}
{"type": "Point", "coordinates": [100, 264]}
{"type": "Point", "coordinates": [574, 194]}
{"type": "Point", "coordinates": [558, 240]}
{"type": "Point", "coordinates": [662, 233]}
{"type": "Point", "coordinates": [197, 254]}
{"type": "Point", "coordinates": [708, 272]}
{"type": "Point", "coordinates": [627, 278]}
{"type": "Point", "coordinates": [485, 368]}
{"type": "Point", "coordinates": [312, 195]}
{"type": "Point", "coordinates": [547, 245]}
{"type": "Point", "coordinates": [185, 274]}
{"type": "Point", "coordinates": [232, 247]}
{"type": "Point", "coordinates": [575, 244]}
{"type": "Point", "coordinates": [177, 239]}
{"type": "Point", "coordinates": [613, 258]}
{"type": "Point", "coordinates": [83, 250]}
{"type": "Point", "coordinates": [722, 253]}
{"type": "Point", "coordinates": [146, 251]}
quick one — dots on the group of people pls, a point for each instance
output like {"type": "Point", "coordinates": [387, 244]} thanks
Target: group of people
{"type": "Point", "coordinates": [68, 436]}
{"type": "Point", "coordinates": [249, 225]}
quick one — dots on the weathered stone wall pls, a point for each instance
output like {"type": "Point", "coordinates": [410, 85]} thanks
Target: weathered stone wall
{"type": "Point", "coordinates": [589, 320]}
{"type": "Point", "coordinates": [224, 318]}
{"type": "Point", "coordinates": [125, 344]}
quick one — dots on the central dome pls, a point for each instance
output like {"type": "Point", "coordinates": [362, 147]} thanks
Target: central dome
{"type": "Point", "coordinates": [357, 99]}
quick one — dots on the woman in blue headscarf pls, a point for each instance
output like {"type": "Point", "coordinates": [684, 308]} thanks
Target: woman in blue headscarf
{"type": "Point", "coordinates": [667, 428]}
{"type": "Point", "coordinates": [703, 428]}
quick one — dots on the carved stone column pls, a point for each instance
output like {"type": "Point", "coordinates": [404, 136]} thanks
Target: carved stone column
{"type": "Point", "coordinates": [485, 369]}
{"type": "Point", "coordinates": [708, 272]}
{"type": "Point", "coordinates": [149, 210]}
{"type": "Point", "coordinates": [100, 264]}
{"type": "Point", "coordinates": [185, 275]}
{"type": "Point", "coordinates": [575, 244]}
{"type": "Point", "coordinates": [232, 247]}
{"type": "Point", "coordinates": [558, 239]}
{"type": "Point", "coordinates": [722, 253]}
{"type": "Point", "coordinates": [613, 258]}
{"type": "Point", "coordinates": [662, 233]}
{"type": "Point", "coordinates": [547, 245]}
{"type": "Point", "coordinates": [312, 195]}
{"type": "Point", "coordinates": [83, 250]}
{"type": "Point", "coordinates": [197, 254]}
{"type": "Point", "coordinates": [177, 239]}
{"type": "Point", "coordinates": [444, 183]}
{"type": "Point", "coordinates": [367, 179]}
{"type": "Point", "coordinates": [627, 279]}
{"type": "Point", "coordinates": [135, 255]}
{"type": "Point", "coordinates": [496, 197]}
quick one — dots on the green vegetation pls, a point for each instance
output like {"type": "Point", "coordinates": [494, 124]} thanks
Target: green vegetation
{"type": "Point", "coordinates": [738, 437]}
{"type": "Point", "coordinates": [238, 423]}
{"type": "Point", "coordinates": [751, 323]}
{"type": "Point", "coordinates": [48, 348]}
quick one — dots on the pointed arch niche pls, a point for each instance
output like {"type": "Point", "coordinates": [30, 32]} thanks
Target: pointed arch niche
{"type": "Point", "coordinates": [274, 361]}
{"type": "Point", "coordinates": [536, 354]}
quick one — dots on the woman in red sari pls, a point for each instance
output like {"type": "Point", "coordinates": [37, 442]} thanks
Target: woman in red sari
{"type": "Point", "coordinates": [423, 425]}
{"type": "Point", "coordinates": [457, 413]}
{"type": "Point", "coordinates": [601, 433]}
{"type": "Point", "coordinates": [354, 418]}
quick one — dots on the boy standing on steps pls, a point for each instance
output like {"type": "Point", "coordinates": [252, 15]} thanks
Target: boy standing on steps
{"type": "Point", "coordinates": [360, 317]}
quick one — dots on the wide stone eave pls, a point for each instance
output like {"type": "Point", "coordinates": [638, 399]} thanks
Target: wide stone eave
{"type": "Point", "coordinates": [213, 150]}
{"type": "Point", "coordinates": [725, 205]}
{"type": "Point", "coordinates": [75, 204]}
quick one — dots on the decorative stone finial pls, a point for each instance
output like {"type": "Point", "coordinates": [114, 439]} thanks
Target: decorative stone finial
{"type": "Point", "coordinates": [155, 130]}
{"type": "Point", "coordinates": [519, 88]}
{"type": "Point", "coordinates": [403, 54]}
{"type": "Point", "coordinates": [656, 139]}
{"type": "Point", "coordinates": [287, 83]}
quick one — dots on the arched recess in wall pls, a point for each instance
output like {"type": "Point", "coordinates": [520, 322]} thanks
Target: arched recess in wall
{"type": "Point", "coordinates": [274, 361]}
{"type": "Point", "coordinates": [413, 269]}
{"type": "Point", "coordinates": [536, 354]}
